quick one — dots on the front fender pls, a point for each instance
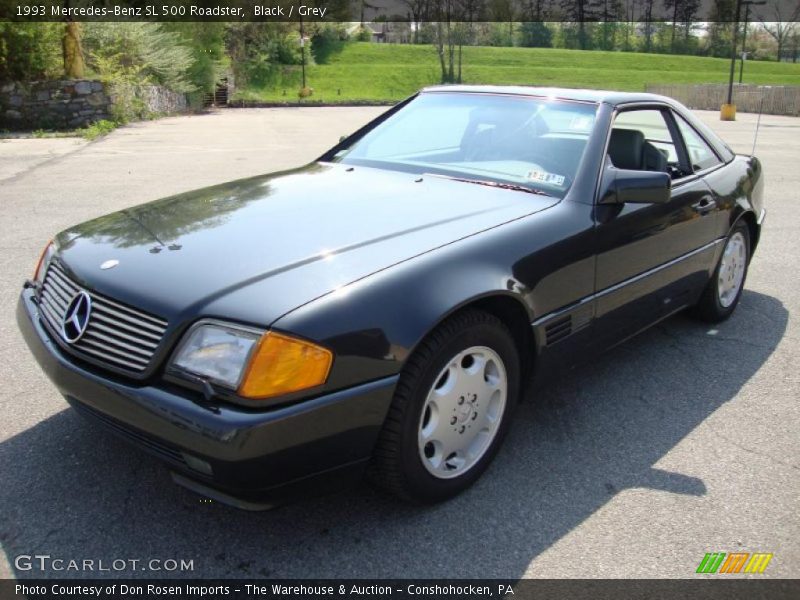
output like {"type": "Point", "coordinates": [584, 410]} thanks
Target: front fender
{"type": "Point", "coordinates": [542, 262]}
{"type": "Point", "coordinates": [373, 325]}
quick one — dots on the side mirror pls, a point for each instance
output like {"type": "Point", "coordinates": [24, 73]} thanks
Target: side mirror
{"type": "Point", "coordinates": [621, 186]}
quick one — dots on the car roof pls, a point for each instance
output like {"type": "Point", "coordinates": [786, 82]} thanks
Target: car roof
{"type": "Point", "coordinates": [595, 96]}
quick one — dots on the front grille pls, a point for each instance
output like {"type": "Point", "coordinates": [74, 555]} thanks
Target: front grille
{"type": "Point", "coordinates": [116, 334]}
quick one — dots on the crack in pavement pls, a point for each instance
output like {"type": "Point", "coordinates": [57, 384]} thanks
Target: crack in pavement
{"type": "Point", "coordinates": [717, 433]}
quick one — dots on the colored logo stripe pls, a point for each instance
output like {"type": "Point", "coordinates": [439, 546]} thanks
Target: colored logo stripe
{"type": "Point", "coordinates": [757, 563]}
{"type": "Point", "coordinates": [711, 562]}
{"type": "Point", "coordinates": [735, 561]}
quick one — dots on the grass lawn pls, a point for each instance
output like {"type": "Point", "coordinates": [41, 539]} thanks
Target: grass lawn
{"type": "Point", "coordinates": [387, 72]}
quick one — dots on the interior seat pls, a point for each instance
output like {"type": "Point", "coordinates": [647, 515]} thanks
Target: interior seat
{"type": "Point", "coordinates": [628, 149]}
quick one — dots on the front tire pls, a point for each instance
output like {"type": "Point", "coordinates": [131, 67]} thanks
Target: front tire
{"type": "Point", "coordinates": [725, 287]}
{"type": "Point", "coordinates": [451, 410]}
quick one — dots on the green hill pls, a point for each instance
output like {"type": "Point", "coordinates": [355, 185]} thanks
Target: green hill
{"type": "Point", "coordinates": [365, 71]}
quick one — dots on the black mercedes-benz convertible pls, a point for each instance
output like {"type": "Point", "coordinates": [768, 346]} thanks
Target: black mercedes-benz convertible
{"type": "Point", "coordinates": [382, 310]}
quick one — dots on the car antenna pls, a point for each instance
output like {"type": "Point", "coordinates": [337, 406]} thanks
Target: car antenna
{"type": "Point", "coordinates": [758, 121]}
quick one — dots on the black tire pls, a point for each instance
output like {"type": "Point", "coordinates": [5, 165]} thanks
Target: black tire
{"type": "Point", "coordinates": [709, 308]}
{"type": "Point", "coordinates": [396, 466]}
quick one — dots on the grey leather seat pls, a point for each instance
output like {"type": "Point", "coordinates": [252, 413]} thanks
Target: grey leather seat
{"type": "Point", "coordinates": [628, 149]}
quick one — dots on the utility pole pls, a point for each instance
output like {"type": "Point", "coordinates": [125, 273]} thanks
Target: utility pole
{"type": "Point", "coordinates": [303, 51]}
{"type": "Point", "coordinates": [728, 110]}
{"type": "Point", "coordinates": [747, 4]}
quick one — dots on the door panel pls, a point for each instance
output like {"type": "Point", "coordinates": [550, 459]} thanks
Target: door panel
{"type": "Point", "coordinates": [637, 244]}
{"type": "Point", "coordinates": [653, 259]}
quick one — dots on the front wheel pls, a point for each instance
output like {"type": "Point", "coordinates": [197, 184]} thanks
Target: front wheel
{"type": "Point", "coordinates": [451, 410]}
{"type": "Point", "coordinates": [723, 291]}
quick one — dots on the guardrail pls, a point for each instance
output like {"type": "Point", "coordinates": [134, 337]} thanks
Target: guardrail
{"type": "Point", "coordinates": [769, 99]}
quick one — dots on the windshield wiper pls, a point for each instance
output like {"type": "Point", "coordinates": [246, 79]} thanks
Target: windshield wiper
{"type": "Point", "coordinates": [495, 184]}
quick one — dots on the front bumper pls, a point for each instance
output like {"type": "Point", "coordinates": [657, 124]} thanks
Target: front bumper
{"type": "Point", "coordinates": [253, 459]}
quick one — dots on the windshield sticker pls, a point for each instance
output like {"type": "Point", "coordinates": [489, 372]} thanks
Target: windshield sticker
{"type": "Point", "coordinates": [545, 177]}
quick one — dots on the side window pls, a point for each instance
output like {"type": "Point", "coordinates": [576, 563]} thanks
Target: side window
{"type": "Point", "coordinates": [641, 140]}
{"type": "Point", "coordinates": [701, 155]}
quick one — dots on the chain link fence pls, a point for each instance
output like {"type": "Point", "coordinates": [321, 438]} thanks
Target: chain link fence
{"type": "Point", "coordinates": [769, 99]}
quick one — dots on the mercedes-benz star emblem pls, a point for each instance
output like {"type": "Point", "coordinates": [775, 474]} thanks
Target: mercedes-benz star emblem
{"type": "Point", "coordinates": [76, 318]}
{"type": "Point", "coordinates": [109, 264]}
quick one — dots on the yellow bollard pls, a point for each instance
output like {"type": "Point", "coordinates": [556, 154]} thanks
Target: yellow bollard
{"type": "Point", "coordinates": [727, 112]}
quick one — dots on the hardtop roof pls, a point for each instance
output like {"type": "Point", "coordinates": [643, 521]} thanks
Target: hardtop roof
{"type": "Point", "coordinates": [597, 96]}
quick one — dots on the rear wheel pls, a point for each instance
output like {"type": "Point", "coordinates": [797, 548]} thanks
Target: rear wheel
{"type": "Point", "coordinates": [451, 409]}
{"type": "Point", "coordinates": [723, 291]}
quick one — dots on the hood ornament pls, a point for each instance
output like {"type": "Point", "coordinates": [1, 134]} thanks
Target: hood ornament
{"type": "Point", "coordinates": [109, 264]}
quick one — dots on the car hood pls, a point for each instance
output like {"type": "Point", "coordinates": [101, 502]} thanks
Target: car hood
{"type": "Point", "coordinates": [256, 248]}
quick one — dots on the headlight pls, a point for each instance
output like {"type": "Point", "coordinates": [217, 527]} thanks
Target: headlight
{"type": "Point", "coordinates": [257, 365]}
{"type": "Point", "coordinates": [217, 352]}
{"type": "Point", "coordinates": [44, 260]}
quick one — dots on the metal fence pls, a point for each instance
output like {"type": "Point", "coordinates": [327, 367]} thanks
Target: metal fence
{"type": "Point", "coordinates": [771, 99]}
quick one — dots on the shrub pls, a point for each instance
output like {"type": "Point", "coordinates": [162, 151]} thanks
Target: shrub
{"type": "Point", "coordinates": [97, 129]}
{"type": "Point", "coordinates": [139, 52]}
{"type": "Point", "coordinates": [362, 34]}
{"type": "Point", "coordinates": [30, 51]}
{"type": "Point", "coordinates": [328, 40]}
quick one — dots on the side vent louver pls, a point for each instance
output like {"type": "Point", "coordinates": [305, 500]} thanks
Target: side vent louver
{"type": "Point", "coordinates": [558, 330]}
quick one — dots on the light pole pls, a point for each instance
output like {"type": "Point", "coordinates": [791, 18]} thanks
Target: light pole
{"type": "Point", "coordinates": [728, 110]}
{"type": "Point", "coordinates": [747, 4]}
{"type": "Point", "coordinates": [303, 51]}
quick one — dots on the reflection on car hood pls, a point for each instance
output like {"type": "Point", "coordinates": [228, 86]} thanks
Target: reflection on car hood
{"type": "Point", "coordinates": [295, 235]}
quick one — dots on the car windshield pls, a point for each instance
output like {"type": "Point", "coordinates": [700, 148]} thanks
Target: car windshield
{"type": "Point", "coordinates": [529, 142]}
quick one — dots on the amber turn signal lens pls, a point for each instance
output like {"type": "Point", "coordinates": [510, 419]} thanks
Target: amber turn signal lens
{"type": "Point", "coordinates": [282, 364]}
{"type": "Point", "coordinates": [37, 273]}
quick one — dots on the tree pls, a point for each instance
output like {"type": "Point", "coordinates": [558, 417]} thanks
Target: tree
{"type": "Point", "coordinates": [74, 65]}
{"type": "Point", "coordinates": [206, 41]}
{"type": "Point", "coordinates": [418, 10]}
{"type": "Point", "coordinates": [688, 16]}
{"type": "Point", "coordinates": [72, 44]}
{"type": "Point", "coordinates": [140, 52]}
{"type": "Point", "coordinates": [30, 51]}
{"type": "Point", "coordinates": [683, 14]}
{"type": "Point", "coordinates": [504, 11]}
{"type": "Point", "coordinates": [610, 13]}
{"type": "Point", "coordinates": [535, 34]}
{"type": "Point", "coordinates": [782, 26]}
{"type": "Point", "coordinates": [647, 20]}
{"type": "Point", "coordinates": [794, 44]}
{"type": "Point", "coordinates": [536, 10]}
{"type": "Point", "coordinates": [258, 50]}
{"type": "Point", "coordinates": [718, 30]}
{"type": "Point", "coordinates": [628, 25]}
{"type": "Point", "coordinates": [579, 12]}
{"type": "Point", "coordinates": [454, 27]}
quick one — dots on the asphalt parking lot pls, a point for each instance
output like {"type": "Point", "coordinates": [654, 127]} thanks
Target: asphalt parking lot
{"type": "Point", "coordinates": [680, 442]}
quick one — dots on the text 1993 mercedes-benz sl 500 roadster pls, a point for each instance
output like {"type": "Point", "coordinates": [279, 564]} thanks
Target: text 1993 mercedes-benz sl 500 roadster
{"type": "Point", "coordinates": [379, 310]}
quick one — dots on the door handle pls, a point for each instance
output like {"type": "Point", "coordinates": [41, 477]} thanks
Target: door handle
{"type": "Point", "coordinates": [706, 204]}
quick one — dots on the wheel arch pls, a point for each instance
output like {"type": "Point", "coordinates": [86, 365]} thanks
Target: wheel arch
{"type": "Point", "coordinates": [749, 218]}
{"type": "Point", "coordinates": [510, 309]}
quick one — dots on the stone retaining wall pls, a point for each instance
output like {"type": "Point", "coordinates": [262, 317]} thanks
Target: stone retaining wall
{"type": "Point", "coordinates": [151, 98]}
{"type": "Point", "coordinates": [63, 104]}
{"type": "Point", "coordinates": [73, 103]}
